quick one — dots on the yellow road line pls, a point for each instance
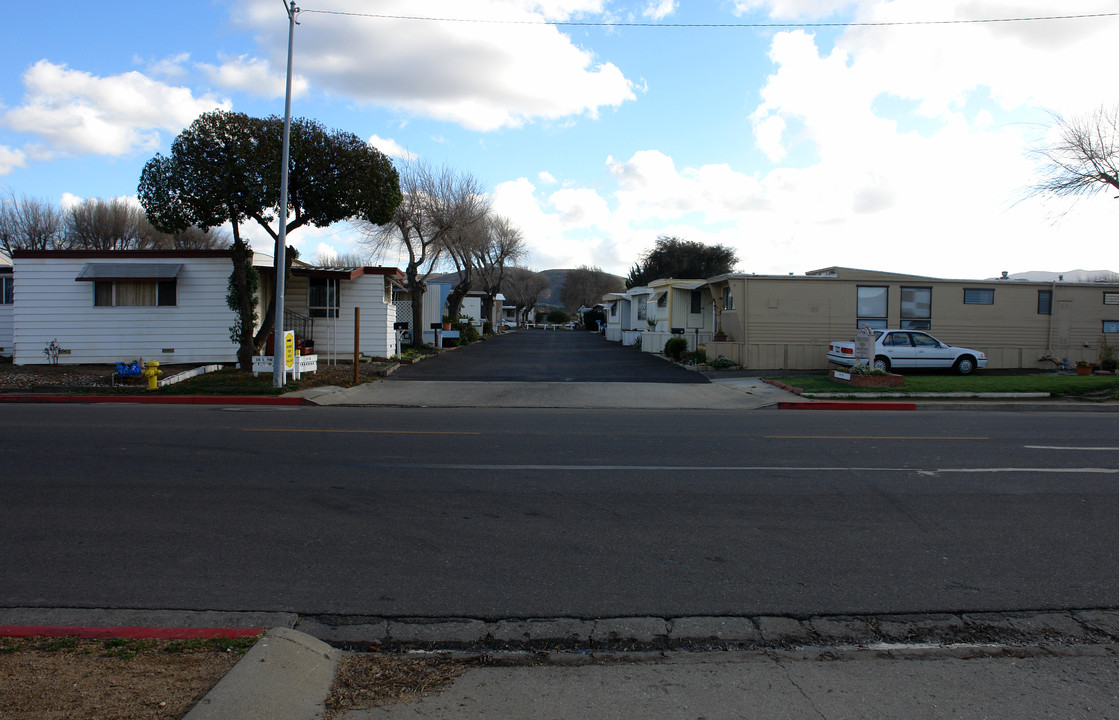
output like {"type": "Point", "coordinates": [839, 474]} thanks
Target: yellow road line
{"type": "Point", "coordinates": [363, 432]}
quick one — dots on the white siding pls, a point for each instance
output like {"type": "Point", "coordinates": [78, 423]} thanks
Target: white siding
{"type": "Point", "coordinates": [334, 337]}
{"type": "Point", "coordinates": [50, 304]}
{"type": "Point", "coordinates": [6, 329]}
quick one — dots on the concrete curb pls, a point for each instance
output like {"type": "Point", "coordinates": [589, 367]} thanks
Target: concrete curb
{"type": "Point", "coordinates": [848, 405]}
{"type": "Point", "coordinates": [643, 633]}
{"type": "Point", "coordinates": [285, 676]}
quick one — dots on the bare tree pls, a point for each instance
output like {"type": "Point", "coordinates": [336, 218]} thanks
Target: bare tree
{"type": "Point", "coordinates": [463, 246]}
{"type": "Point", "coordinates": [342, 260]}
{"type": "Point", "coordinates": [195, 238]}
{"type": "Point", "coordinates": [524, 288]}
{"type": "Point", "coordinates": [116, 224]}
{"type": "Point", "coordinates": [435, 204]}
{"type": "Point", "coordinates": [1085, 158]}
{"type": "Point", "coordinates": [30, 224]}
{"type": "Point", "coordinates": [585, 286]}
{"type": "Point", "coordinates": [504, 249]}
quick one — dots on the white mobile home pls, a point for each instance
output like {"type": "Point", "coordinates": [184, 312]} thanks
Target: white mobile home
{"type": "Point", "coordinates": [7, 295]}
{"type": "Point", "coordinates": [114, 306]}
{"type": "Point", "coordinates": [328, 298]}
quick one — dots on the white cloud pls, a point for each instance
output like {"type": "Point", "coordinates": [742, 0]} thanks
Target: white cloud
{"type": "Point", "coordinates": [547, 178]}
{"type": "Point", "coordinates": [483, 76]}
{"type": "Point", "coordinates": [793, 9]}
{"type": "Point", "coordinates": [324, 251]}
{"type": "Point", "coordinates": [168, 67]}
{"type": "Point", "coordinates": [253, 76]}
{"type": "Point", "coordinates": [391, 148]}
{"type": "Point", "coordinates": [78, 113]}
{"type": "Point", "coordinates": [580, 207]}
{"type": "Point", "coordinates": [659, 9]}
{"type": "Point", "coordinates": [10, 159]}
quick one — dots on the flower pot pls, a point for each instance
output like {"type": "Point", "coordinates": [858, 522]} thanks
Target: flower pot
{"type": "Point", "coordinates": [1083, 370]}
{"type": "Point", "coordinates": [446, 326]}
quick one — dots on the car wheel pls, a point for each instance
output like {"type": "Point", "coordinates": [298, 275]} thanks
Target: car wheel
{"type": "Point", "coordinates": [965, 365]}
{"type": "Point", "coordinates": [882, 363]}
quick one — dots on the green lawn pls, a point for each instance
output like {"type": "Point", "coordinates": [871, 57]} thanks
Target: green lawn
{"type": "Point", "coordinates": [1057, 385]}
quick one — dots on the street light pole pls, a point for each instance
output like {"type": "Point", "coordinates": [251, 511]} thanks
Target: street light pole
{"type": "Point", "coordinates": [279, 374]}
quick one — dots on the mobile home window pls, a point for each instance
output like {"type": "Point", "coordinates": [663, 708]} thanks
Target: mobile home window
{"type": "Point", "coordinates": [6, 287]}
{"type": "Point", "coordinates": [614, 309]}
{"type": "Point", "coordinates": [1044, 302]}
{"type": "Point", "coordinates": [979, 296]}
{"type": "Point", "coordinates": [728, 299]}
{"type": "Point", "coordinates": [872, 306]}
{"type": "Point", "coordinates": [1111, 326]}
{"type": "Point", "coordinates": [697, 302]}
{"type": "Point", "coordinates": [662, 301]}
{"type": "Point", "coordinates": [322, 298]}
{"type": "Point", "coordinates": [125, 293]}
{"type": "Point", "coordinates": [641, 304]}
{"type": "Point", "coordinates": [1111, 298]}
{"type": "Point", "coordinates": [916, 308]}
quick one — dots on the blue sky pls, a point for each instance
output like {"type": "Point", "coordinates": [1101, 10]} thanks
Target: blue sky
{"type": "Point", "coordinates": [902, 148]}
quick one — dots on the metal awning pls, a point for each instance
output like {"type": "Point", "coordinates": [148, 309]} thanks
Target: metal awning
{"type": "Point", "coordinates": [129, 271]}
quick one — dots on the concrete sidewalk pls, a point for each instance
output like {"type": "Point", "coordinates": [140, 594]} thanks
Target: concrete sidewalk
{"type": "Point", "coordinates": [837, 686]}
{"type": "Point", "coordinates": [730, 394]}
{"type": "Point", "coordinates": [287, 676]}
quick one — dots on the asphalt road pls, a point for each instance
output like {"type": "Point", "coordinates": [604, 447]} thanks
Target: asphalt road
{"type": "Point", "coordinates": [537, 513]}
{"type": "Point", "coordinates": [548, 356]}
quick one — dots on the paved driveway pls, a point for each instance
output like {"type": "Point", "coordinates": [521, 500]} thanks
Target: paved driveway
{"type": "Point", "coordinates": [548, 356]}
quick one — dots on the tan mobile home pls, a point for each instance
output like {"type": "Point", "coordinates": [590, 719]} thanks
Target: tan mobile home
{"type": "Point", "coordinates": [787, 321]}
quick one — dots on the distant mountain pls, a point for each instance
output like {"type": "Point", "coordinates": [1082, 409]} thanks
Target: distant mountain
{"type": "Point", "coordinates": [1076, 276]}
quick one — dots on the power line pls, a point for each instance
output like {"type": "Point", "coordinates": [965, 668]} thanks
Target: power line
{"type": "Point", "coordinates": [580, 23]}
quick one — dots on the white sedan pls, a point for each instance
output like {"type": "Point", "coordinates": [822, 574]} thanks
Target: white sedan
{"type": "Point", "coordinates": [901, 349]}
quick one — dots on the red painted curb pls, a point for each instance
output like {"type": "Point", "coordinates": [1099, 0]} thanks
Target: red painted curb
{"type": "Point", "coordinates": [855, 405]}
{"type": "Point", "coordinates": [783, 386]}
{"type": "Point", "coordinates": [156, 400]}
{"type": "Point", "coordinates": [134, 633]}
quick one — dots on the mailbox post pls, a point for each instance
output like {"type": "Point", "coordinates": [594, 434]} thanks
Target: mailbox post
{"type": "Point", "coordinates": [864, 346]}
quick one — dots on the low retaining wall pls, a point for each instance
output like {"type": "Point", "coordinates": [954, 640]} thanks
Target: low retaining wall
{"type": "Point", "coordinates": [871, 381]}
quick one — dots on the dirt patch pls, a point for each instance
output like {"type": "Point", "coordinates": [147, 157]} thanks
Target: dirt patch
{"type": "Point", "coordinates": [55, 678]}
{"type": "Point", "coordinates": [369, 680]}
{"type": "Point", "coordinates": [86, 378]}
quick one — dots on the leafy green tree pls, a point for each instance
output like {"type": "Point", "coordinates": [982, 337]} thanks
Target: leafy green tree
{"type": "Point", "coordinates": [558, 317]}
{"type": "Point", "coordinates": [673, 257]}
{"type": "Point", "coordinates": [225, 167]}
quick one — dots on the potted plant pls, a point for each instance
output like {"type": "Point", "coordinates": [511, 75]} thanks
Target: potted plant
{"type": "Point", "coordinates": [1083, 368]}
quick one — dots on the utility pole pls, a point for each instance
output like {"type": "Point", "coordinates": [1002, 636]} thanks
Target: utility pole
{"type": "Point", "coordinates": [279, 373]}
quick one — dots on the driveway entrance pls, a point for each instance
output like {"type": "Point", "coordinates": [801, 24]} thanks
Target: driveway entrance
{"type": "Point", "coordinates": [548, 356]}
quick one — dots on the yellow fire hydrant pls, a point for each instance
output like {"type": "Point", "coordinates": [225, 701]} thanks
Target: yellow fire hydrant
{"type": "Point", "coordinates": [152, 373]}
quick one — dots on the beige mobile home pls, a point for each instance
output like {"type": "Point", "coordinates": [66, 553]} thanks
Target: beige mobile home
{"type": "Point", "coordinates": [786, 321]}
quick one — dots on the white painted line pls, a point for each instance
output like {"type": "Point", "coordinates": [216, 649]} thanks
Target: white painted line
{"type": "Point", "coordinates": [732, 468]}
{"type": "Point", "coordinates": [1070, 447]}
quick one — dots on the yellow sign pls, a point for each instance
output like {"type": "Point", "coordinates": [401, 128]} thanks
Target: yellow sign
{"type": "Point", "coordinates": [289, 349]}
